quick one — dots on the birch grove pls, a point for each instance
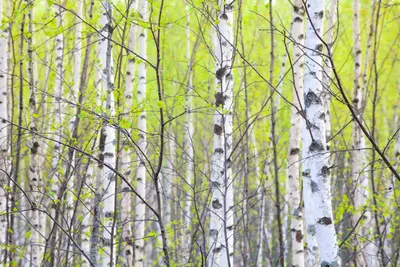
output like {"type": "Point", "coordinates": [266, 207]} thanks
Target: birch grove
{"type": "Point", "coordinates": [199, 133]}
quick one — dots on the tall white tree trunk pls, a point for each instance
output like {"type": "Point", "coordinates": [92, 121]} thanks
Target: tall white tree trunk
{"type": "Point", "coordinates": [261, 188]}
{"type": "Point", "coordinates": [126, 195]}
{"type": "Point", "coordinates": [95, 233]}
{"type": "Point", "coordinates": [316, 172]}
{"type": "Point", "coordinates": [107, 138]}
{"type": "Point", "coordinates": [58, 113]}
{"type": "Point", "coordinates": [4, 142]}
{"type": "Point", "coordinates": [326, 74]}
{"type": "Point", "coordinates": [37, 219]}
{"type": "Point", "coordinates": [293, 171]}
{"type": "Point", "coordinates": [140, 207]}
{"type": "Point", "coordinates": [221, 217]}
{"type": "Point", "coordinates": [74, 94]}
{"type": "Point", "coordinates": [87, 214]}
{"type": "Point", "coordinates": [57, 151]}
{"type": "Point", "coordinates": [188, 140]}
{"type": "Point", "coordinates": [369, 251]}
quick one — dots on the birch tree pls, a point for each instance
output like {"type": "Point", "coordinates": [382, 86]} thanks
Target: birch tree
{"type": "Point", "coordinates": [126, 169]}
{"type": "Point", "coordinates": [107, 137]}
{"type": "Point", "coordinates": [221, 210]}
{"type": "Point", "coordinates": [189, 133]}
{"type": "Point", "coordinates": [367, 257]}
{"type": "Point", "coordinates": [316, 172]}
{"type": "Point", "coordinates": [293, 172]}
{"type": "Point", "coordinates": [35, 177]}
{"type": "Point", "coordinates": [140, 207]}
{"type": "Point", "coordinates": [4, 143]}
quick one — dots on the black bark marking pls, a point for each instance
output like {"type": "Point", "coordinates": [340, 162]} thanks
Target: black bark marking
{"type": "Point", "coordinates": [301, 37]}
{"type": "Point", "coordinates": [34, 148]}
{"type": "Point", "coordinates": [298, 19]}
{"type": "Point", "coordinates": [219, 99]}
{"type": "Point", "coordinates": [306, 173]}
{"type": "Point", "coordinates": [223, 16]}
{"type": "Point", "coordinates": [299, 236]}
{"type": "Point", "coordinates": [217, 250]}
{"type": "Point", "coordinates": [331, 264]}
{"type": "Point", "coordinates": [216, 184]}
{"type": "Point", "coordinates": [109, 214]}
{"type": "Point", "coordinates": [325, 221]}
{"type": "Point", "coordinates": [213, 233]}
{"type": "Point", "coordinates": [219, 150]}
{"type": "Point", "coordinates": [318, 47]}
{"type": "Point", "coordinates": [311, 98]}
{"type": "Point", "coordinates": [311, 230]}
{"type": "Point", "coordinates": [229, 163]}
{"type": "Point", "coordinates": [221, 72]}
{"type": "Point", "coordinates": [314, 186]}
{"type": "Point", "coordinates": [217, 129]}
{"type": "Point", "coordinates": [316, 146]}
{"type": "Point", "coordinates": [294, 151]}
{"type": "Point", "coordinates": [319, 15]}
{"type": "Point", "coordinates": [325, 172]}
{"type": "Point", "coordinates": [216, 204]}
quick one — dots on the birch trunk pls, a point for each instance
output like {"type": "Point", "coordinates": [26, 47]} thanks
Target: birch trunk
{"type": "Point", "coordinates": [326, 74]}
{"type": "Point", "coordinates": [37, 220]}
{"type": "Point", "coordinates": [58, 93]}
{"type": "Point", "coordinates": [95, 233]}
{"type": "Point", "coordinates": [366, 256]}
{"type": "Point", "coordinates": [316, 173]}
{"type": "Point", "coordinates": [87, 214]}
{"type": "Point", "coordinates": [140, 207]}
{"type": "Point", "coordinates": [188, 140]}
{"type": "Point", "coordinates": [221, 217]}
{"type": "Point", "coordinates": [261, 187]}
{"type": "Point", "coordinates": [57, 151]}
{"type": "Point", "coordinates": [293, 171]}
{"type": "Point", "coordinates": [107, 138]}
{"type": "Point", "coordinates": [4, 144]}
{"type": "Point", "coordinates": [126, 195]}
{"type": "Point", "coordinates": [73, 97]}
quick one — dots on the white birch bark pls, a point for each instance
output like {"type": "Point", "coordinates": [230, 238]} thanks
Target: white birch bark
{"type": "Point", "coordinates": [74, 98]}
{"type": "Point", "coordinates": [188, 139]}
{"type": "Point", "coordinates": [37, 219]}
{"type": "Point", "coordinates": [87, 214]}
{"type": "Point", "coordinates": [126, 195]}
{"type": "Point", "coordinates": [58, 93]}
{"type": "Point", "coordinates": [169, 175]}
{"type": "Point", "coordinates": [4, 141]}
{"type": "Point", "coordinates": [221, 217]}
{"type": "Point", "coordinates": [316, 173]}
{"type": "Point", "coordinates": [293, 171]}
{"type": "Point", "coordinates": [261, 188]}
{"type": "Point", "coordinates": [58, 121]}
{"type": "Point", "coordinates": [326, 74]}
{"type": "Point", "coordinates": [107, 138]}
{"type": "Point", "coordinates": [368, 251]}
{"type": "Point", "coordinates": [140, 207]}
